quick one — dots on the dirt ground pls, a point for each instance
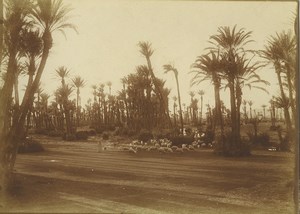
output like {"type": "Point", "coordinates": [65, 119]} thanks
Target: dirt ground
{"type": "Point", "coordinates": [72, 177]}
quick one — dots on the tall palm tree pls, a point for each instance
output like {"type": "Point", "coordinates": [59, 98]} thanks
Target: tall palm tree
{"type": "Point", "coordinates": [62, 72]}
{"type": "Point", "coordinates": [49, 16]}
{"type": "Point", "coordinates": [109, 84]}
{"type": "Point", "coordinates": [167, 69]}
{"type": "Point", "coordinates": [147, 51]}
{"type": "Point", "coordinates": [264, 110]}
{"type": "Point", "coordinates": [244, 102]}
{"type": "Point", "coordinates": [31, 47]}
{"type": "Point", "coordinates": [281, 52]}
{"type": "Point", "coordinates": [15, 19]}
{"type": "Point", "coordinates": [208, 67]}
{"type": "Point", "coordinates": [250, 102]}
{"type": "Point", "coordinates": [230, 44]}
{"type": "Point", "coordinates": [64, 93]}
{"type": "Point", "coordinates": [174, 109]}
{"type": "Point", "coordinates": [201, 93]}
{"type": "Point", "coordinates": [78, 82]}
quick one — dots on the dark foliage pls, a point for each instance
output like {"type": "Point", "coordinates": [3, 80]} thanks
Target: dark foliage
{"type": "Point", "coordinates": [55, 133]}
{"type": "Point", "coordinates": [82, 135]}
{"type": "Point", "coordinates": [105, 136]}
{"type": "Point", "coordinates": [262, 139]}
{"type": "Point", "coordinates": [145, 136]}
{"type": "Point", "coordinates": [179, 140]}
{"type": "Point", "coordinates": [231, 148]}
{"type": "Point", "coordinates": [29, 146]}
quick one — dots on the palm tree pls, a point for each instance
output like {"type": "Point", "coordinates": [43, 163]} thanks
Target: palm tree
{"type": "Point", "coordinates": [280, 52]}
{"type": "Point", "coordinates": [210, 68]}
{"type": "Point", "coordinates": [62, 72]}
{"type": "Point", "coordinates": [201, 93]}
{"type": "Point", "coordinates": [109, 84]}
{"type": "Point", "coordinates": [171, 68]}
{"type": "Point", "coordinates": [174, 109]}
{"type": "Point", "coordinates": [250, 102]}
{"type": "Point", "coordinates": [15, 21]}
{"type": "Point", "coordinates": [146, 51]}
{"type": "Point", "coordinates": [16, 14]}
{"type": "Point", "coordinates": [49, 16]}
{"type": "Point", "coordinates": [78, 82]}
{"type": "Point", "coordinates": [244, 102]}
{"type": "Point", "coordinates": [230, 43]}
{"type": "Point", "coordinates": [64, 93]}
{"type": "Point", "coordinates": [31, 47]}
{"type": "Point", "coordinates": [264, 110]}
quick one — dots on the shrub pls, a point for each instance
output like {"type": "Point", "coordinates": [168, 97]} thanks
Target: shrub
{"type": "Point", "coordinates": [92, 132]}
{"type": "Point", "coordinates": [145, 136]}
{"type": "Point", "coordinates": [29, 146]}
{"type": "Point", "coordinates": [55, 133]}
{"type": "Point", "coordinates": [100, 130]}
{"type": "Point", "coordinates": [81, 135]}
{"type": "Point", "coordinates": [70, 137]}
{"type": "Point", "coordinates": [232, 149]}
{"type": "Point", "coordinates": [262, 139]}
{"type": "Point", "coordinates": [42, 131]}
{"type": "Point", "coordinates": [105, 136]}
{"type": "Point", "coordinates": [179, 140]}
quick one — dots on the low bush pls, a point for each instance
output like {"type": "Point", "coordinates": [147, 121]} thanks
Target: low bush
{"type": "Point", "coordinates": [55, 133]}
{"type": "Point", "coordinates": [92, 132]}
{"type": "Point", "coordinates": [262, 139]}
{"type": "Point", "coordinates": [29, 146]}
{"type": "Point", "coordinates": [229, 147]}
{"type": "Point", "coordinates": [105, 136]}
{"type": "Point", "coordinates": [69, 137]}
{"type": "Point", "coordinates": [42, 131]}
{"type": "Point", "coordinates": [81, 135]}
{"type": "Point", "coordinates": [145, 136]}
{"type": "Point", "coordinates": [179, 140]}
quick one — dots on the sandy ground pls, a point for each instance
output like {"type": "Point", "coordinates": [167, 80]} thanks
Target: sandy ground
{"type": "Point", "coordinates": [72, 177]}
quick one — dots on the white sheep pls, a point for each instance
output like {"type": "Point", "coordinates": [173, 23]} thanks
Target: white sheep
{"type": "Point", "coordinates": [185, 149]}
{"type": "Point", "coordinates": [174, 147]}
{"type": "Point", "coordinates": [191, 147]}
{"type": "Point", "coordinates": [161, 149]}
{"type": "Point", "coordinates": [180, 150]}
{"type": "Point", "coordinates": [132, 150]}
{"type": "Point", "coordinates": [168, 150]}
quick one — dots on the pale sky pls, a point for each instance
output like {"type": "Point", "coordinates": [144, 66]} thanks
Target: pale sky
{"type": "Point", "coordinates": [106, 47]}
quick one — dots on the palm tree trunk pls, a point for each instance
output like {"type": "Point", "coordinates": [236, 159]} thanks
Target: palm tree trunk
{"type": "Point", "coordinates": [286, 110]}
{"type": "Point", "coordinates": [291, 97]}
{"type": "Point", "coordinates": [179, 102]}
{"type": "Point", "coordinates": [233, 113]}
{"type": "Point", "coordinates": [16, 90]}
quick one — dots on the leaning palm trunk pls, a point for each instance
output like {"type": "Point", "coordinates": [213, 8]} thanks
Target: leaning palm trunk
{"type": "Point", "coordinates": [283, 96]}
{"type": "Point", "coordinates": [291, 97]}
{"type": "Point", "coordinates": [179, 101]}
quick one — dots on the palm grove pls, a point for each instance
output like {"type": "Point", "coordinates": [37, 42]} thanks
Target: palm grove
{"type": "Point", "coordinates": [143, 102]}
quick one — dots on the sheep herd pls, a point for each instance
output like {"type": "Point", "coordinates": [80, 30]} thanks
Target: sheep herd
{"type": "Point", "coordinates": [161, 146]}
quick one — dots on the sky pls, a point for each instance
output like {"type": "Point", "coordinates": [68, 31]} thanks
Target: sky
{"type": "Point", "coordinates": [105, 48]}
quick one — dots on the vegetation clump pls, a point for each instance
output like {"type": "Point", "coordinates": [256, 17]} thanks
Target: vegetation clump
{"type": "Point", "coordinates": [29, 146]}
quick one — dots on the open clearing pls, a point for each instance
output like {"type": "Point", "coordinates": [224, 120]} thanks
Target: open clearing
{"type": "Point", "coordinates": [73, 177]}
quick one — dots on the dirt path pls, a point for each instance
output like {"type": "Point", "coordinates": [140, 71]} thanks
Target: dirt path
{"type": "Point", "coordinates": [73, 177]}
